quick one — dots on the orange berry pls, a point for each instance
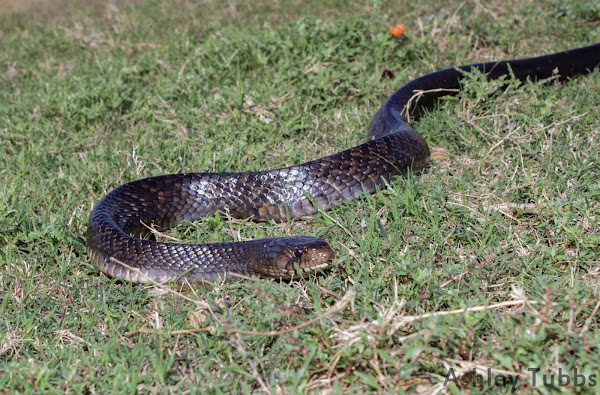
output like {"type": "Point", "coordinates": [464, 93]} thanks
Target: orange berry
{"type": "Point", "coordinates": [397, 30]}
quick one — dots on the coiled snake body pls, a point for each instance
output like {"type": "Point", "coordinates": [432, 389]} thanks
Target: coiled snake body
{"type": "Point", "coordinates": [395, 148]}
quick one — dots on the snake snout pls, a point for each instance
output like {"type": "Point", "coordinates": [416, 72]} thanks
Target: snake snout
{"type": "Point", "coordinates": [296, 256]}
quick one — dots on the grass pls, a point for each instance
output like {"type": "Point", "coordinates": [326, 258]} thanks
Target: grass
{"type": "Point", "coordinates": [505, 221]}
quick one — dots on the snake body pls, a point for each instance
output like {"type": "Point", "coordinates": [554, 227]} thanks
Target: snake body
{"type": "Point", "coordinates": [121, 217]}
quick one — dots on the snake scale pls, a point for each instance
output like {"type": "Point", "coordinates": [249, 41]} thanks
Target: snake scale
{"type": "Point", "coordinates": [118, 221]}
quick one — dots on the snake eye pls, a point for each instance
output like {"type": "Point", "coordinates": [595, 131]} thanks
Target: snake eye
{"type": "Point", "coordinates": [297, 252]}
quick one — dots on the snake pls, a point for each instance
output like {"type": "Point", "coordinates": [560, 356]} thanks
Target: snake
{"type": "Point", "coordinates": [119, 240]}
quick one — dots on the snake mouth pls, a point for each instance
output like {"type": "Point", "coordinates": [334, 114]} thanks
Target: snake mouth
{"type": "Point", "coordinates": [296, 270]}
{"type": "Point", "coordinates": [319, 267]}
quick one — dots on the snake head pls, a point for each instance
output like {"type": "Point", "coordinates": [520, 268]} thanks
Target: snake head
{"type": "Point", "coordinates": [297, 256]}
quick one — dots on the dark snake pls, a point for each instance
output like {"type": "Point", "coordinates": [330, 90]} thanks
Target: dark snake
{"type": "Point", "coordinates": [394, 148]}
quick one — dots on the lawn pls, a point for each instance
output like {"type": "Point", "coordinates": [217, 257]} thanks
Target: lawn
{"type": "Point", "coordinates": [478, 274]}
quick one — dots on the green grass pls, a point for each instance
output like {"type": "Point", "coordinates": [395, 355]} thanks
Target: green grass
{"type": "Point", "coordinates": [507, 213]}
